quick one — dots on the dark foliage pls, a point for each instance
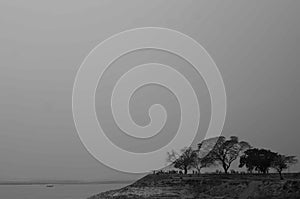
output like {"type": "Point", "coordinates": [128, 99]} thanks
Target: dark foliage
{"type": "Point", "coordinates": [257, 159]}
{"type": "Point", "coordinates": [183, 161]}
{"type": "Point", "coordinates": [224, 152]}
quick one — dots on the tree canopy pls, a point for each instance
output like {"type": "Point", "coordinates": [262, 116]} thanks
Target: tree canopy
{"type": "Point", "coordinates": [282, 162]}
{"type": "Point", "coordinates": [262, 160]}
{"type": "Point", "coordinates": [257, 159]}
{"type": "Point", "coordinates": [224, 152]}
{"type": "Point", "coordinates": [183, 161]}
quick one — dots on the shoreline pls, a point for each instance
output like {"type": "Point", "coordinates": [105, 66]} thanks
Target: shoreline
{"type": "Point", "coordinates": [66, 183]}
{"type": "Point", "coordinates": [208, 186]}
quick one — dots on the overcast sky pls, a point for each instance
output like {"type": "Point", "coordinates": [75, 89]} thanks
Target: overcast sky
{"type": "Point", "coordinates": [255, 44]}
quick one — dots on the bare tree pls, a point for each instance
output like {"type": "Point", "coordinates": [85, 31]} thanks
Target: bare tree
{"type": "Point", "coordinates": [185, 160]}
{"type": "Point", "coordinates": [224, 152]}
{"type": "Point", "coordinates": [203, 162]}
{"type": "Point", "coordinates": [203, 159]}
{"type": "Point", "coordinates": [282, 162]}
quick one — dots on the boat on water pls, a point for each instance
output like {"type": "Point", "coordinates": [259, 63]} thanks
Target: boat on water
{"type": "Point", "coordinates": [49, 185]}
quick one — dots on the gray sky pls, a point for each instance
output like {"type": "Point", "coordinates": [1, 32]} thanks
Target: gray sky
{"type": "Point", "coordinates": [255, 44]}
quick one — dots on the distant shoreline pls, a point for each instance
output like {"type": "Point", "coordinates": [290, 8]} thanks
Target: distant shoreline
{"type": "Point", "coordinates": [65, 182]}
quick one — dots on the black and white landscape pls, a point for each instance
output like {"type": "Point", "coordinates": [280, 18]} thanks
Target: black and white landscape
{"type": "Point", "coordinates": [255, 46]}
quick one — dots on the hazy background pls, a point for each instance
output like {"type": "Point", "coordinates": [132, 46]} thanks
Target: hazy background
{"type": "Point", "coordinates": [255, 44]}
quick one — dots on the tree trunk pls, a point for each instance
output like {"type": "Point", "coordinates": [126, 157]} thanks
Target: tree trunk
{"type": "Point", "coordinates": [225, 167]}
{"type": "Point", "coordinates": [185, 170]}
{"type": "Point", "coordinates": [199, 171]}
{"type": "Point", "coordinates": [280, 174]}
{"type": "Point", "coordinates": [264, 171]}
{"type": "Point", "coordinates": [226, 170]}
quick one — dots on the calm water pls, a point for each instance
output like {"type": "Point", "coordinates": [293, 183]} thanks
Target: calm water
{"type": "Point", "coordinates": [80, 191]}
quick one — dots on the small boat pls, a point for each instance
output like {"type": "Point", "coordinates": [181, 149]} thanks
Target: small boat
{"type": "Point", "coordinates": [49, 185]}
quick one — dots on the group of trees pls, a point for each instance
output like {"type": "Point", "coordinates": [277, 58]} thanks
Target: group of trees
{"type": "Point", "coordinates": [223, 152]}
{"type": "Point", "coordinates": [261, 160]}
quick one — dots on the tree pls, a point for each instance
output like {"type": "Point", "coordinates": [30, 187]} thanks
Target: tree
{"type": "Point", "coordinates": [258, 159]}
{"type": "Point", "coordinates": [245, 160]}
{"type": "Point", "coordinates": [281, 162]}
{"type": "Point", "coordinates": [203, 162]}
{"type": "Point", "coordinates": [224, 152]}
{"type": "Point", "coordinates": [183, 161]}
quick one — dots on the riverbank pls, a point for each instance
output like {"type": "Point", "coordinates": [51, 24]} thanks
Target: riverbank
{"type": "Point", "coordinates": [55, 182]}
{"type": "Point", "coordinates": [209, 186]}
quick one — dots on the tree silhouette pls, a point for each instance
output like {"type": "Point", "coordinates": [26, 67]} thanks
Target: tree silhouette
{"type": "Point", "coordinates": [281, 162]}
{"type": "Point", "coordinates": [203, 158]}
{"type": "Point", "coordinates": [258, 159]}
{"type": "Point", "coordinates": [203, 162]}
{"type": "Point", "coordinates": [224, 152]}
{"type": "Point", "coordinates": [185, 160]}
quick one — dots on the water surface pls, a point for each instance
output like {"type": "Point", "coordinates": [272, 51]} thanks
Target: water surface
{"type": "Point", "coordinates": [67, 191]}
